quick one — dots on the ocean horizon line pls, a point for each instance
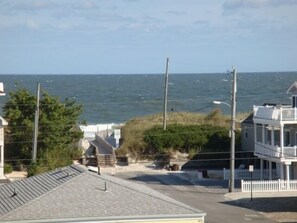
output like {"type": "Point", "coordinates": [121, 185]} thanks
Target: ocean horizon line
{"type": "Point", "coordinates": [173, 73]}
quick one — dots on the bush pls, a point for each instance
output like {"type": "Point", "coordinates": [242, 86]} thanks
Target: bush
{"type": "Point", "coordinates": [137, 133]}
{"type": "Point", "coordinates": [7, 168]}
{"type": "Point", "coordinates": [185, 138]}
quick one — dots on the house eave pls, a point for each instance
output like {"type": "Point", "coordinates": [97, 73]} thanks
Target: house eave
{"type": "Point", "coordinates": [185, 218]}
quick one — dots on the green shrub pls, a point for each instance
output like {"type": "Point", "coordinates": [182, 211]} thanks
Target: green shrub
{"type": "Point", "coordinates": [144, 135]}
{"type": "Point", "coordinates": [7, 168]}
{"type": "Point", "coordinates": [186, 137]}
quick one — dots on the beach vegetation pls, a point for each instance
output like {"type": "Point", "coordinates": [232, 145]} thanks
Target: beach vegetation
{"type": "Point", "coordinates": [185, 132]}
{"type": "Point", "coordinates": [7, 168]}
{"type": "Point", "coordinates": [58, 133]}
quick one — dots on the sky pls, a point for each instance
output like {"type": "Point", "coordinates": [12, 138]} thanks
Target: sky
{"type": "Point", "coordinates": [136, 36]}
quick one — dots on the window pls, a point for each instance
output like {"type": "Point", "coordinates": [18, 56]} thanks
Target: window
{"type": "Point", "coordinates": [287, 138]}
{"type": "Point", "coordinates": [267, 136]}
{"type": "Point", "coordinates": [276, 137]}
{"type": "Point", "coordinates": [259, 133]}
{"type": "Point", "coordinates": [294, 101]}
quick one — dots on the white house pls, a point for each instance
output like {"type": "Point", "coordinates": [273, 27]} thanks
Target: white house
{"type": "Point", "coordinates": [3, 123]}
{"type": "Point", "coordinates": [275, 135]}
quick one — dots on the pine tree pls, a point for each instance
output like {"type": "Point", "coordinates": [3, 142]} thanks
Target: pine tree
{"type": "Point", "coordinates": [58, 132]}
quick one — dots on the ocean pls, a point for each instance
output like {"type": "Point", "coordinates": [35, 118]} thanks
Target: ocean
{"type": "Point", "coordinates": [119, 98]}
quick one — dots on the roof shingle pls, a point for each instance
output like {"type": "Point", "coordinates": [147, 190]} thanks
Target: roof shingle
{"type": "Point", "coordinates": [74, 192]}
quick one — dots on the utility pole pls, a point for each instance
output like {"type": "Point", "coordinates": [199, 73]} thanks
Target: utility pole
{"type": "Point", "coordinates": [165, 95]}
{"type": "Point", "coordinates": [232, 143]}
{"type": "Point", "coordinates": [35, 133]}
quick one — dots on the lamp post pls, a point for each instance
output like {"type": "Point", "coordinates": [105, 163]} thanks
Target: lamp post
{"type": "Point", "coordinates": [221, 102]}
{"type": "Point", "coordinates": [232, 136]}
{"type": "Point", "coordinates": [232, 130]}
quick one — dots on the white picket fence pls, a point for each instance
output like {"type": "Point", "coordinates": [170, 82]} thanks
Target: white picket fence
{"type": "Point", "coordinates": [245, 174]}
{"type": "Point", "coordinates": [16, 178]}
{"type": "Point", "coordinates": [268, 185]}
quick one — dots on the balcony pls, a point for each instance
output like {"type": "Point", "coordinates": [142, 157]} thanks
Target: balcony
{"type": "Point", "coordinates": [279, 114]}
{"type": "Point", "coordinates": [288, 153]}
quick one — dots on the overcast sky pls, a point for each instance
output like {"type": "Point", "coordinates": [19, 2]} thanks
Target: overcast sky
{"type": "Point", "coordinates": [136, 36]}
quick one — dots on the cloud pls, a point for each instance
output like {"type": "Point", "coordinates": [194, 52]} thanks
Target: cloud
{"type": "Point", "coordinates": [237, 4]}
{"type": "Point", "coordinates": [31, 24]}
{"type": "Point", "coordinates": [88, 4]}
{"type": "Point", "coordinates": [201, 22]}
{"type": "Point", "coordinates": [178, 13]}
{"type": "Point", "coordinates": [33, 5]}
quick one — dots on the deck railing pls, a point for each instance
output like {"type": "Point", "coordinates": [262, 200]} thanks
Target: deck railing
{"type": "Point", "coordinates": [283, 113]}
{"type": "Point", "coordinates": [245, 174]}
{"type": "Point", "coordinates": [276, 152]}
{"type": "Point", "coordinates": [268, 185]}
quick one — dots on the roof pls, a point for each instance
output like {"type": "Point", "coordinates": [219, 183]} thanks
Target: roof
{"type": "Point", "coordinates": [3, 121]}
{"type": "Point", "coordinates": [2, 93]}
{"type": "Point", "coordinates": [293, 88]}
{"type": "Point", "coordinates": [248, 120]}
{"type": "Point", "coordinates": [75, 193]}
{"type": "Point", "coordinates": [18, 193]}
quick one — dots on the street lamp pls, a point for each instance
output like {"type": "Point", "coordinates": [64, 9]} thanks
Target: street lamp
{"type": "Point", "coordinates": [221, 102]}
{"type": "Point", "coordinates": [232, 146]}
{"type": "Point", "coordinates": [232, 143]}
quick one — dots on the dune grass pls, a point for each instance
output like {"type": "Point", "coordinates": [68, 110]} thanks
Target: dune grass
{"type": "Point", "coordinates": [133, 131]}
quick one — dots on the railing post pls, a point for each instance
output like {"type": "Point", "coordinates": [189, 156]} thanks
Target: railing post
{"type": "Point", "coordinates": [295, 115]}
{"type": "Point", "coordinates": [279, 184]}
{"type": "Point", "coordinates": [241, 185]}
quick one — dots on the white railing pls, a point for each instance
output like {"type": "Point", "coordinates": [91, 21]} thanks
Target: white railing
{"type": "Point", "coordinates": [268, 185]}
{"type": "Point", "coordinates": [288, 114]}
{"type": "Point", "coordinates": [283, 113]}
{"type": "Point", "coordinates": [12, 179]}
{"type": "Point", "coordinates": [245, 174]}
{"type": "Point", "coordinates": [275, 151]}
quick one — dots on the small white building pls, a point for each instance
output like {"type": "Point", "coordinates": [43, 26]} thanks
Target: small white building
{"type": "Point", "coordinates": [3, 123]}
{"type": "Point", "coordinates": [275, 136]}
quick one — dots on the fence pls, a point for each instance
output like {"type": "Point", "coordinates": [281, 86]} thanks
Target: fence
{"type": "Point", "coordinates": [16, 178]}
{"type": "Point", "coordinates": [245, 174]}
{"type": "Point", "coordinates": [268, 185]}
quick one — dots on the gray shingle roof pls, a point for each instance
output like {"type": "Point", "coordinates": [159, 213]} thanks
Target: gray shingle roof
{"type": "Point", "coordinates": [74, 192]}
{"type": "Point", "coordinates": [18, 193]}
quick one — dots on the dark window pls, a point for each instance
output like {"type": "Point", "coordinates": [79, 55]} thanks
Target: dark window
{"type": "Point", "coordinates": [294, 101]}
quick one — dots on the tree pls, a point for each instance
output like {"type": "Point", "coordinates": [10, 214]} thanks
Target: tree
{"type": "Point", "coordinates": [58, 132]}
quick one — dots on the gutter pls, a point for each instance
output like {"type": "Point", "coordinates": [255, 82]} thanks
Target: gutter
{"type": "Point", "coordinates": [184, 218]}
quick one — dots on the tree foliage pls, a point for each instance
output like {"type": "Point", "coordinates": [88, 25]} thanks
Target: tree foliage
{"type": "Point", "coordinates": [186, 138]}
{"type": "Point", "coordinates": [58, 132]}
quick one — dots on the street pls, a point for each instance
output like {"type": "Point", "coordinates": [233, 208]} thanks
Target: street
{"type": "Point", "coordinates": [207, 196]}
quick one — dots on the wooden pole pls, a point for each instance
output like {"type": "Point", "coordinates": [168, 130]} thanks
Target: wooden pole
{"type": "Point", "coordinates": [232, 145]}
{"type": "Point", "coordinates": [165, 96]}
{"type": "Point", "coordinates": [35, 134]}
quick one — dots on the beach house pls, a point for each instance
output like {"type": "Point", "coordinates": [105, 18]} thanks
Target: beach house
{"type": "Point", "coordinates": [275, 136]}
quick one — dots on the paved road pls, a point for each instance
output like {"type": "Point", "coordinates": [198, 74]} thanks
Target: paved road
{"type": "Point", "coordinates": [208, 197]}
